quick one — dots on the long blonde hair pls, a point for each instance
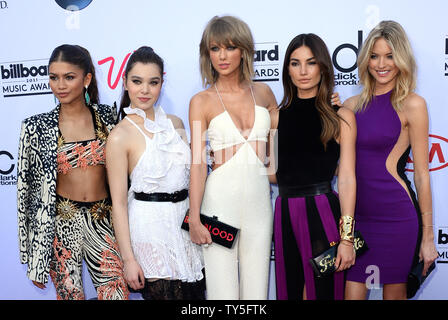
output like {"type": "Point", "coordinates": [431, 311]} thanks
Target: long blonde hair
{"type": "Point", "coordinates": [395, 36]}
{"type": "Point", "coordinates": [226, 30]}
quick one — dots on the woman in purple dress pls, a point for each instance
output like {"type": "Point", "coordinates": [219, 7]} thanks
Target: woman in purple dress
{"type": "Point", "coordinates": [391, 119]}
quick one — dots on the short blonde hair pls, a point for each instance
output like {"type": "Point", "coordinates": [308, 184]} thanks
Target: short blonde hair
{"type": "Point", "coordinates": [227, 31]}
{"type": "Point", "coordinates": [395, 36]}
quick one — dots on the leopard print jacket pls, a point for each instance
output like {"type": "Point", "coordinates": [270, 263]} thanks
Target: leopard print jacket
{"type": "Point", "coordinates": [36, 187]}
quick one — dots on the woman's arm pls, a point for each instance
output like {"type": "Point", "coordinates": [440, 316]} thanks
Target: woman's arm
{"type": "Point", "coordinates": [272, 148]}
{"type": "Point", "coordinates": [178, 126]}
{"type": "Point", "coordinates": [23, 188]}
{"type": "Point", "coordinates": [23, 167]}
{"type": "Point", "coordinates": [347, 181]}
{"type": "Point", "coordinates": [417, 119]}
{"type": "Point", "coordinates": [268, 100]}
{"type": "Point", "coordinates": [198, 169]}
{"type": "Point", "coordinates": [117, 172]}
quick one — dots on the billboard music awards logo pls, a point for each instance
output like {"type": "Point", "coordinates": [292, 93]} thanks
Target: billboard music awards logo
{"type": "Point", "coordinates": [7, 165]}
{"type": "Point", "coordinates": [344, 60]}
{"type": "Point", "coordinates": [266, 62]}
{"type": "Point", "coordinates": [438, 154]}
{"type": "Point", "coordinates": [442, 244]}
{"type": "Point", "coordinates": [446, 56]}
{"type": "Point", "coordinates": [24, 78]}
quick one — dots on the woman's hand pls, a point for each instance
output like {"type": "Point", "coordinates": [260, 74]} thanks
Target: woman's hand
{"type": "Point", "coordinates": [199, 233]}
{"type": "Point", "coordinates": [428, 253]}
{"type": "Point", "coordinates": [346, 256]}
{"type": "Point", "coordinates": [133, 274]}
{"type": "Point", "coordinates": [335, 100]}
{"type": "Point", "coordinates": [40, 285]}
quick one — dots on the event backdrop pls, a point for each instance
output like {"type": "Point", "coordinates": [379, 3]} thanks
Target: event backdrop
{"type": "Point", "coordinates": [112, 29]}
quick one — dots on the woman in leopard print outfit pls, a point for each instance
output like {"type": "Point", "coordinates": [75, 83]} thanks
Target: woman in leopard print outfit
{"type": "Point", "coordinates": [63, 199]}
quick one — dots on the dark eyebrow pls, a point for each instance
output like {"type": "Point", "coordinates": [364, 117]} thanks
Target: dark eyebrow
{"type": "Point", "coordinates": [140, 78]}
{"type": "Point", "coordinates": [65, 74]}
{"type": "Point", "coordinates": [309, 59]}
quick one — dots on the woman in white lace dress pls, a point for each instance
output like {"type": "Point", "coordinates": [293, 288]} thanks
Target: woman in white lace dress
{"type": "Point", "coordinates": [149, 149]}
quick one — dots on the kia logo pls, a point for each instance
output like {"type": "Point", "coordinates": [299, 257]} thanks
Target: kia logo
{"type": "Point", "coordinates": [438, 148]}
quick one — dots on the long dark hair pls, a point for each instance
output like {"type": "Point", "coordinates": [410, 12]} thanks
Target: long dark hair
{"type": "Point", "coordinates": [144, 55]}
{"type": "Point", "coordinates": [80, 57]}
{"type": "Point", "coordinates": [328, 115]}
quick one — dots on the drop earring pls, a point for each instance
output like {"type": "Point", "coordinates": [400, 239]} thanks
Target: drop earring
{"type": "Point", "coordinates": [87, 97]}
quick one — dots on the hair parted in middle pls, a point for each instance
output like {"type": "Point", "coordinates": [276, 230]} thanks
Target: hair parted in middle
{"type": "Point", "coordinates": [143, 55]}
{"type": "Point", "coordinates": [328, 115]}
{"type": "Point", "coordinates": [226, 31]}
{"type": "Point", "coordinates": [78, 56]}
{"type": "Point", "coordinates": [403, 57]}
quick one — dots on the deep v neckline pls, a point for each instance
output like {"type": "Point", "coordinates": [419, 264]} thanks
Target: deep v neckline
{"type": "Point", "coordinates": [230, 117]}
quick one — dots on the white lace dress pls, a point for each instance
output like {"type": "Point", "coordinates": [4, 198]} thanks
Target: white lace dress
{"type": "Point", "coordinates": [161, 247]}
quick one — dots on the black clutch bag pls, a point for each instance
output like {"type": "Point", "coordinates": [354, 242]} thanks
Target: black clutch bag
{"type": "Point", "coordinates": [324, 264]}
{"type": "Point", "coordinates": [221, 233]}
{"type": "Point", "coordinates": [416, 278]}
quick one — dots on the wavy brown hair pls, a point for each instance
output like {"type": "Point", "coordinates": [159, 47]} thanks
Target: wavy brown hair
{"type": "Point", "coordinates": [328, 115]}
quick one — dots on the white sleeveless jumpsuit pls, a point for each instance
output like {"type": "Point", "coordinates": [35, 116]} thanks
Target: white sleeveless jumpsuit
{"type": "Point", "coordinates": [238, 193]}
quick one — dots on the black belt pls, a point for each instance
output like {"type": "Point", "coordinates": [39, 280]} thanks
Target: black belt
{"type": "Point", "coordinates": [163, 197]}
{"type": "Point", "coordinates": [305, 190]}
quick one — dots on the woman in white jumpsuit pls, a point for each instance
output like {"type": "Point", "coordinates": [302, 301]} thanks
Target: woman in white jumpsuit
{"type": "Point", "coordinates": [234, 112]}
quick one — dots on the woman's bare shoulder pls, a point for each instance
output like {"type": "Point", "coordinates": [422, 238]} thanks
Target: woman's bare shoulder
{"type": "Point", "coordinates": [264, 95]}
{"type": "Point", "coordinates": [414, 102]}
{"type": "Point", "coordinates": [351, 102]}
{"type": "Point", "coordinates": [177, 122]}
{"type": "Point", "coordinates": [202, 97]}
{"type": "Point", "coordinates": [120, 133]}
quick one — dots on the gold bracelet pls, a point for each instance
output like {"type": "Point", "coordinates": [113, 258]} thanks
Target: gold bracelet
{"type": "Point", "coordinates": [430, 225]}
{"type": "Point", "coordinates": [426, 213]}
{"type": "Point", "coordinates": [346, 228]}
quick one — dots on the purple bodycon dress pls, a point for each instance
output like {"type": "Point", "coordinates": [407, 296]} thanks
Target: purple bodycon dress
{"type": "Point", "coordinates": [387, 217]}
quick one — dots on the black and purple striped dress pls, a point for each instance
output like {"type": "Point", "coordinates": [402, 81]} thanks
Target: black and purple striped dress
{"type": "Point", "coordinates": [307, 210]}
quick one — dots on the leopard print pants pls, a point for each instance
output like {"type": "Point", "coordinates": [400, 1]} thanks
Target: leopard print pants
{"type": "Point", "coordinates": [84, 231]}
